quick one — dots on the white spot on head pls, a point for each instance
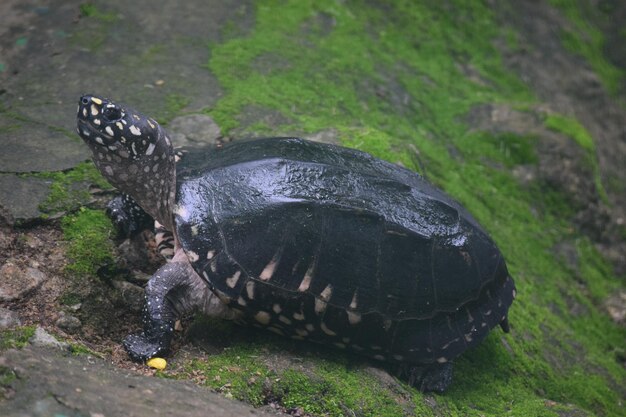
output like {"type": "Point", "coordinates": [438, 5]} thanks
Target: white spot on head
{"type": "Point", "coordinates": [442, 360]}
{"type": "Point", "coordinates": [94, 110]}
{"type": "Point", "coordinates": [262, 317]}
{"type": "Point", "coordinates": [99, 140]}
{"type": "Point", "coordinates": [298, 316]}
{"type": "Point", "coordinates": [284, 319]}
{"type": "Point", "coordinates": [210, 254]}
{"type": "Point", "coordinates": [241, 301]}
{"type": "Point", "coordinates": [84, 111]}
{"type": "Point", "coordinates": [135, 130]}
{"type": "Point", "coordinates": [119, 126]}
{"type": "Point", "coordinates": [109, 130]}
{"type": "Point", "coordinates": [514, 293]}
{"type": "Point", "coordinates": [277, 309]}
{"type": "Point", "coordinates": [150, 149]}
{"type": "Point", "coordinates": [302, 332]}
{"type": "Point", "coordinates": [96, 122]}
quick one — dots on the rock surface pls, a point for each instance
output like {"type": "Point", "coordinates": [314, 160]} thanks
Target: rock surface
{"type": "Point", "coordinates": [50, 383]}
{"type": "Point", "coordinates": [16, 282]}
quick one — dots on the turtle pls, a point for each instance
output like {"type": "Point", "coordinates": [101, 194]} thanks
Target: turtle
{"type": "Point", "coordinates": [312, 241]}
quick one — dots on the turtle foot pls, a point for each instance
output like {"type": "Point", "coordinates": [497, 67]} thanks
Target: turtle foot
{"type": "Point", "coordinates": [428, 378]}
{"type": "Point", "coordinates": [127, 216]}
{"type": "Point", "coordinates": [140, 347]}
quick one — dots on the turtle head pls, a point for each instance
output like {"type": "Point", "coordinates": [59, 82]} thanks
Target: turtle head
{"type": "Point", "coordinates": [132, 151]}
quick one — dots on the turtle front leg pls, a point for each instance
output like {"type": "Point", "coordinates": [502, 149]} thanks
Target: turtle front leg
{"type": "Point", "coordinates": [173, 291]}
{"type": "Point", "coordinates": [427, 378]}
{"type": "Point", "coordinates": [127, 216]}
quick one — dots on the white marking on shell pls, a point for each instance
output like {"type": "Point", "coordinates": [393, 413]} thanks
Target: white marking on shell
{"type": "Point", "coordinates": [96, 122]}
{"type": "Point", "coordinates": [210, 254]}
{"type": "Point", "coordinates": [326, 330]}
{"type": "Point", "coordinates": [302, 332]}
{"type": "Point", "coordinates": [470, 319]}
{"type": "Point", "coordinates": [232, 281]}
{"type": "Point", "coordinates": [135, 130]}
{"type": "Point", "coordinates": [309, 327]}
{"type": "Point", "coordinates": [194, 230]}
{"type": "Point", "coordinates": [262, 317]}
{"type": "Point", "coordinates": [296, 337]}
{"type": "Point", "coordinates": [442, 360]}
{"type": "Point", "coordinates": [150, 149]}
{"type": "Point", "coordinates": [146, 168]}
{"type": "Point", "coordinates": [308, 276]}
{"type": "Point", "coordinates": [398, 357]}
{"type": "Point", "coordinates": [109, 130]}
{"type": "Point", "coordinates": [94, 110]}
{"type": "Point", "coordinates": [270, 268]}
{"type": "Point", "coordinates": [379, 357]}
{"type": "Point", "coordinates": [241, 301]}
{"type": "Point", "coordinates": [357, 348]}
{"type": "Point", "coordinates": [354, 301]}
{"type": "Point", "coordinates": [250, 289]}
{"type": "Point", "coordinates": [276, 330]}
{"type": "Point", "coordinates": [84, 111]}
{"type": "Point", "coordinates": [133, 149]}
{"type": "Point", "coordinates": [447, 345]}
{"type": "Point", "coordinates": [193, 257]}
{"type": "Point", "coordinates": [86, 133]}
{"type": "Point", "coordinates": [298, 316]}
{"type": "Point", "coordinates": [99, 140]}
{"type": "Point", "coordinates": [346, 340]}
{"type": "Point", "coordinates": [488, 313]}
{"type": "Point", "coordinates": [320, 305]}
{"type": "Point", "coordinates": [468, 337]}
{"type": "Point", "coordinates": [353, 317]}
{"type": "Point", "coordinates": [340, 345]}
{"type": "Point", "coordinates": [327, 292]}
{"type": "Point", "coordinates": [150, 123]}
{"type": "Point", "coordinates": [277, 309]}
{"type": "Point", "coordinates": [284, 319]}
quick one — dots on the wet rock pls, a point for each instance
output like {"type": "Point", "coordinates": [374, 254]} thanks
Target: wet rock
{"type": "Point", "coordinates": [42, 338]}
{"type": "Point", "coordinates": [194, 130]}
{"type": "Point", "coordinates": [51, 383]}
{"type": "Point", "coordinates": [30, 147]}
{"type": "Point", "coordinates": [20, 198]}
{"type": "Point", "coordinates": [68, 323]}
{"type": "Point", "coordinates": [132, 294]}
{"type": "Point", "coordinates": [8, 318]}
{"type": "Point", "coordinates": [16, 282]}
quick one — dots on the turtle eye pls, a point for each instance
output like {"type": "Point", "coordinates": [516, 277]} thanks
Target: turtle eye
{"type": "Point", "coordinates": [111, 114]}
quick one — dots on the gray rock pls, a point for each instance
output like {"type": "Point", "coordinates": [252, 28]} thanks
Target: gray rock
{"type": "Point", "coordinates": [17, 282]}
{"type": "Point", "coordinates": [20, 198]}
{"type": "Point", "coordinates": [68, 323]}
{"type": "Point", "coordinates": [132, 294]}
{"type": "Point", "coordinates": [194, 130]}
{"type": "Point", "coordinates": [42, 338]}
{"type": "Point", "coordinates": [30, 147]}
{"type": "Point", "coordinates": [50, 382]}
{"type": "Point", "coordinates": [8, 318]}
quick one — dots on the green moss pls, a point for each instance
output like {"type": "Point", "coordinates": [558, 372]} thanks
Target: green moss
{"type": "Point", "coordinates": [88, 235]}
{"type": "Point", "coordinates": [91, 10]}
{"type": "Point", "coordinates": [575, 130]}
{"type": "Point", "coordinates": [16, 338]}
{"type": "Point", "coordinates": [174, 103]}
{"type": "Point", "coordinates": [402, 94]}
{"type": "Point", "coordinates": [587, 40]}
{"type": "Point", "coordinates": [69, 189]}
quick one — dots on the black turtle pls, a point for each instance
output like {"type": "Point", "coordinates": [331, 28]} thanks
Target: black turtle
{"type": "Point", "coordinates": [309, 240]}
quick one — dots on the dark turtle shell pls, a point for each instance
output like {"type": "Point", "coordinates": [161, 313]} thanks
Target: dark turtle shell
{"type": "Point", "coordinates": [330, 244]}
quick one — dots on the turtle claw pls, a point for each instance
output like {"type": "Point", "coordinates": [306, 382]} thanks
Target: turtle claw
{"type": "Point", "coordinates": [140, 347]}
{"type": "Point", "coordinates": [127, 217]}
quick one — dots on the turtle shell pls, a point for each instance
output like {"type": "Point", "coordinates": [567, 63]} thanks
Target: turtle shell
{"type": "Point", "coordinates": [330, 244]}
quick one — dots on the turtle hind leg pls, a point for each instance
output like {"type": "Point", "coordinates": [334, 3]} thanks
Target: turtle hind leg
{"type": "Point", "coordinates": [127, 216]}
{"type": "Point", "coordinates": [435, 377]}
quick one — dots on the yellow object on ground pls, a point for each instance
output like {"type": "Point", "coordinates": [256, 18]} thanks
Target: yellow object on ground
{"type": "Point", "coordinates": [157, 363]}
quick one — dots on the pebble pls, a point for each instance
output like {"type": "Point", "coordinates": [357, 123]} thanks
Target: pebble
{"type": "Point", "coordinates": [17, 282]}
{"type": "Point", "coordinates": [8, 319]}
{"type": "Point", "coordinates": [43, 338]}
{"type": "Point", "coordinates": [68, 323]}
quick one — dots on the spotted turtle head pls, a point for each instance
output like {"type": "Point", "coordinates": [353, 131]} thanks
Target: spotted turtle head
{"type": "Point", "coordinates": [132, 151]}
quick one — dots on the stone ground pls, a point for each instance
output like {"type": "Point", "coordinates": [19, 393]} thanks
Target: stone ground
{"type": "Point", "coordinates": [48, 59]}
